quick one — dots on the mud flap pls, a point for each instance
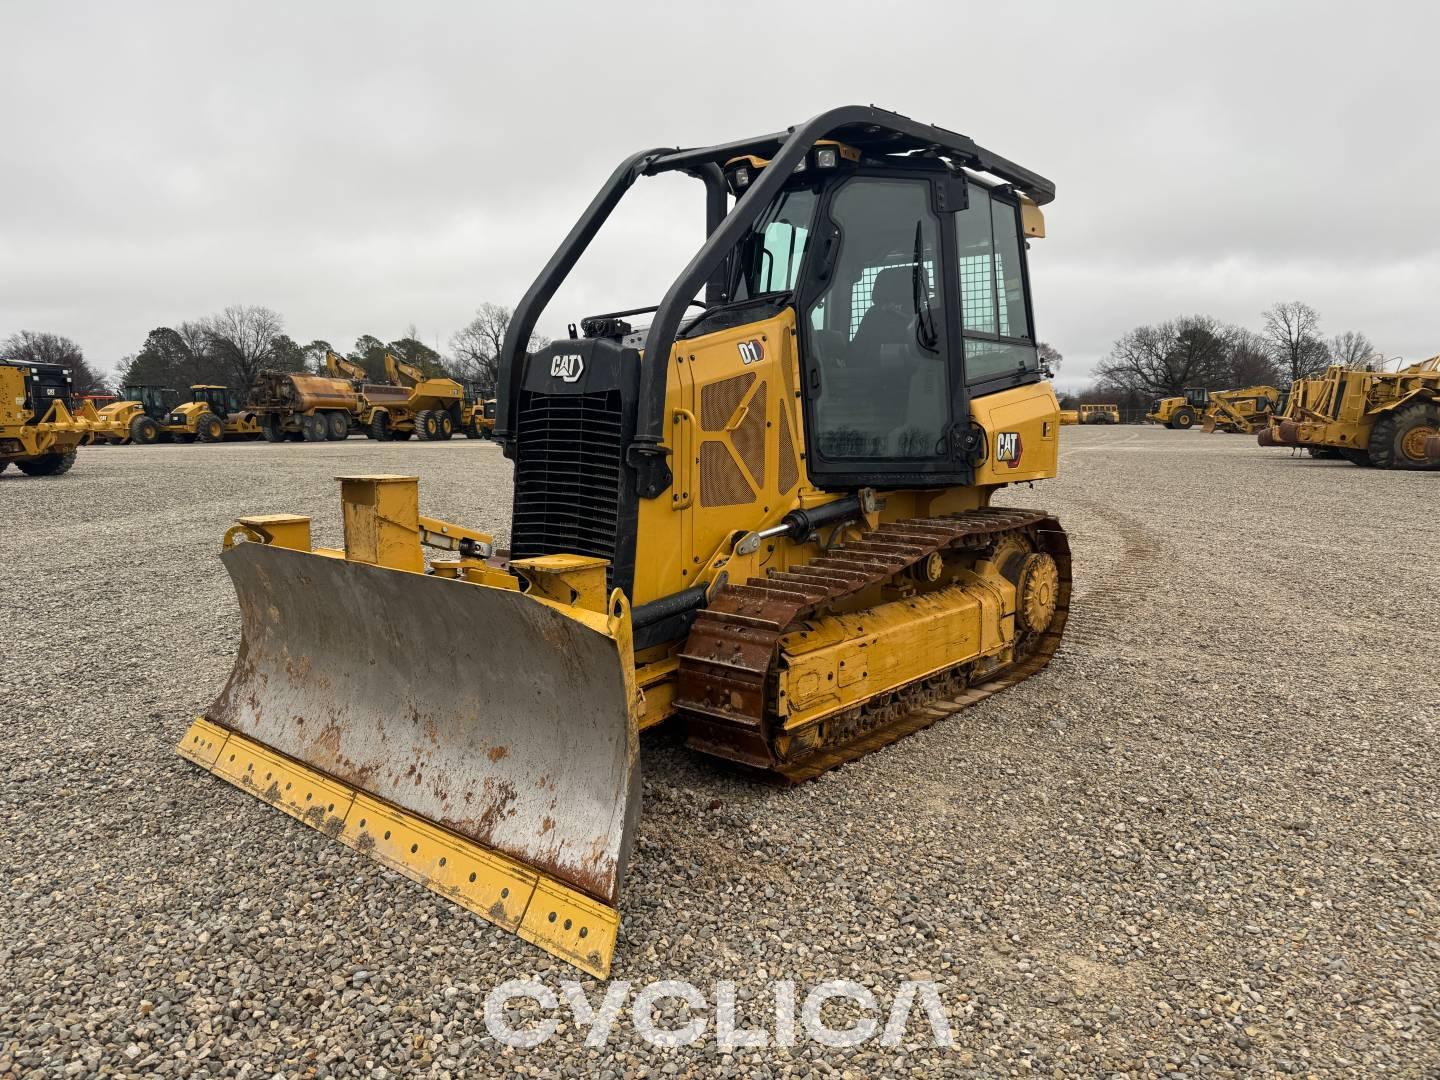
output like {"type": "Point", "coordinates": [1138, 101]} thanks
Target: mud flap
{"type": "Point", "coordinates": [479, 740]}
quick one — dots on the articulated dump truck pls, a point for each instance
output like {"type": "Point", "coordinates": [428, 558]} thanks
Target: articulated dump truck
{"type": "Point", "coordinates": [761, 513]}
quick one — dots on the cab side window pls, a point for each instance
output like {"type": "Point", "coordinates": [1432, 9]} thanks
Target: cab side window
{"type": "Point", "coordinates": [998, 340]}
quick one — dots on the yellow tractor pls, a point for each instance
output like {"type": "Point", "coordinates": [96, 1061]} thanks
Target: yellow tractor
{"type": "Point", "coordinates": [1379, 418]}
{"type": "Point", "coordinates": [763, 514]}
{"type": "Point", "coordinates": [1182, 412]}
{"type": "Point", "coordinates": [477, 414]}
{"type": "Point", "coordinates": [39, 433]}
{"type": "Point", "coordinates": [138, 416]}
{"type": "Point", "coordinates": [213, 413]}
{"type": "Point", "coordinates": [412, 403]}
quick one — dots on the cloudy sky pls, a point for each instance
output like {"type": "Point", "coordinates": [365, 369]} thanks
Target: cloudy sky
{"type": "Point", "coordinates": [364, 167]}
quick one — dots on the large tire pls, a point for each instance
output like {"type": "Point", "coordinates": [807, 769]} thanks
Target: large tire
{"type": "Point", "coordinates": [270, 429]}
{"type": "Point", "coordinates": [1355, 457]}
{"type": "Point", "coordinates": [49, 465]}
{"type": "Point", "coordinates": [427, 425]}
{"type": "Point", "coordinates": [472, 429]}
{"type": "Point", "coordinates": [339, 425]}
{"type": "Point", "coordinates": [380, 427]}
{"type": "Point", "coordinates": [1183, 419]}
{"type": "Point", "coordinates": [209, 428]}
{"type": "Point", "coordinates": [447, 425]}
{"type": "Point", "coordinates": [144, 431]}
{"type": "Point", "coordinates": [314, 427]}
{"type": "Point", "coordinates": [1397, 439]}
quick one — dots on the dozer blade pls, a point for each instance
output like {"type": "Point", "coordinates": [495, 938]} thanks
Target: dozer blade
{"type": "Point", "coordinates": [480, 741]}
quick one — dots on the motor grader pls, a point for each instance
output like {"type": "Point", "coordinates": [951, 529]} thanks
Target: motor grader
{"type": "Point", "coordinates": [39, 433]}
{"type": "Point", "coordinates": [412, 403]}
{"type": "Point", "coordinates": [1374, 418]}
{"type": "Point", "coordinates": [213, 413]}
{"type": "Point", "coordinates": [759, 509]}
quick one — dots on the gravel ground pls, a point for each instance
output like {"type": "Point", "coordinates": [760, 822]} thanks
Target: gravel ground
{"type": "Point", "coordinates": [1204, 841]}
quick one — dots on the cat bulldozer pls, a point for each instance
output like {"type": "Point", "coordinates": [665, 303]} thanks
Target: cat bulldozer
{"type": "Point", "coordinates": [213, 413]}
{"type": "Point", "coordinates": [1383, 419]}
{"type": "Point", "coordinates": [138, 416]}
{"type": "Point", "coordinates": [759, 510]}
{"type": "Point", "coordinates": [41, 427]}
{"type": "Point", "coordinates": [413, 404]}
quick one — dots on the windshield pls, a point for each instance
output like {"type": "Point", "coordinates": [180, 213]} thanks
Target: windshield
{"type": "Point", "coordinates": [768, 258]}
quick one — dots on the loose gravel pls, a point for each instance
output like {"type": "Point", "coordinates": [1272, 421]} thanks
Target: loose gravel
{"type": "Point", "coordinates": [1203, 842]}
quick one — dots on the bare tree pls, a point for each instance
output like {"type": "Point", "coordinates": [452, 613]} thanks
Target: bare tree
{"type": "Point", "coordinates": [1250, 360]}
{"type": "Point", "coordinates": [1292, 332]}
{"type": "Point", "coordinates": [1162, 360]}
{"type": "Point", "coordinates": [1352, 349]}
{"type": "Point", "coordinates": [42, 347]}
{"type": "Point", "coordinates": [242, 338]}
{"type": "Point", "coordinates": [1050, 358]}
{"type": "Point", "coordinates": [476, 345]}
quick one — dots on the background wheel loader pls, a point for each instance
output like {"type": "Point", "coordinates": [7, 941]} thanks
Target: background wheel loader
{"type": "Point", "coordinates": [138, 416]}
{"type": "Point", "coordinates": [1379, 418]}
{"type": "Point", "coordinates": [212, 414]}
{"type": "Point", "coordinates": [39, 434]}
{"type": "Point", "coordinates": [764, 516]}
{"type": "Point", "coordinates": [477, 413]}
{"type": "Point", "coordinates": [1243, 410]}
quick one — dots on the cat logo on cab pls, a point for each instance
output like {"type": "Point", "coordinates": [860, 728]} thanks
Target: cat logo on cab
{"type": "Point", "coordinates": [1007, 447]}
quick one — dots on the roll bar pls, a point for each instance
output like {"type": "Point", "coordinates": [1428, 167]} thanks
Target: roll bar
{"type": "Point", "coordinates": [869, 129]}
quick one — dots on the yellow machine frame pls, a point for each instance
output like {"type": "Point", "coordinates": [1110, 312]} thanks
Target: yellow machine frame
{"type": "Point", "coordinates": [1337, 413]}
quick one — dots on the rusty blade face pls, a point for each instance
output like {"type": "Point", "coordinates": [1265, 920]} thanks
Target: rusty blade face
{"type": "Point", "coordinates": [494, 715]}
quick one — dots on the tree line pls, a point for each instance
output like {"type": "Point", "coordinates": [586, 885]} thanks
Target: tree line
{"type": "Point", "coordinates": [232, 347]}
{"type": "Point", "coordinates": [1162, 359]}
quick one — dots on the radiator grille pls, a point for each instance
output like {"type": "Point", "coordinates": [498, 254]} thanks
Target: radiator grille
{"type": "Point", "coordinates": [568, 475]}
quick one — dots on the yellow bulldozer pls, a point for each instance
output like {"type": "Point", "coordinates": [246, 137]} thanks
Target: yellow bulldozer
{"type": "Point", "coordinates": [39, 433]}
{"type": "Point", "coordinates": [763, 513]}
{"type": "Point", "coordinates": [1375, 418]}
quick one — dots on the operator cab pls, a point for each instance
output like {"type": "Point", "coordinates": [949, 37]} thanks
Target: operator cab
{"type": "Point", "coordinates": [155, 401]}
{"type": "Point", "coordinates": [901, 248]}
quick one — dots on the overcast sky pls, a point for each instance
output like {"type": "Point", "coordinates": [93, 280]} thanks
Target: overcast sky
{"type": "Point", "coordinates": [361, 168]}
